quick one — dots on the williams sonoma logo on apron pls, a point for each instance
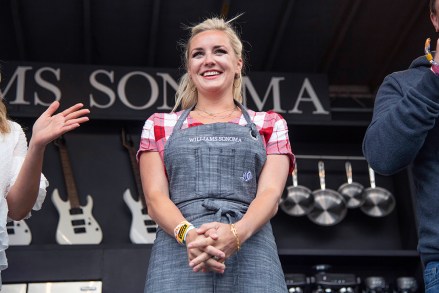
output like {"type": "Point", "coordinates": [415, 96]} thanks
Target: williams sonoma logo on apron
{"type": "Point", "coordinates": [215, 138]}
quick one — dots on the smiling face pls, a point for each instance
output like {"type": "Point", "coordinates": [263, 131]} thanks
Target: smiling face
{"type": "Point", "coordinates": [213, 64]}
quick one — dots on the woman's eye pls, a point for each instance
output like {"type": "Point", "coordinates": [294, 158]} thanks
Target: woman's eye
{"type": "Point", "coordinates": [196, 54]}
{"type": "Point", "coordinates": [221, 51]}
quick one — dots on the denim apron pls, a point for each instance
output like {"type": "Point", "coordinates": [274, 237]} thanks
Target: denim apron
{"type": "Point", "coordinates": [213, 170]}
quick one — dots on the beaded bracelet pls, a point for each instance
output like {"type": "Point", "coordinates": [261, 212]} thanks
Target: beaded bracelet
{"type": "Point", "coordinates": [235, 233]}
{"type": "Point", "coordinates": [181, 231]}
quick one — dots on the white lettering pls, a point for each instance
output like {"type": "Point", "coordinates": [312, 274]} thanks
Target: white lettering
{"type": "Point", "coordinates": [20, 76]}
{"type": "Point", "coordinates": [312, 98]}
{"type": "Point", "coordinates": [273, 86]}
{"type": "Point", "coordinates": [47, 85]}
{"type": "Point", "coordinates": [103, 88]}
{"type": "Point", "coordinates": [122, 94]}
{"type": "Point", "coordinates": [215, 138]}
{"type": "Point", "coordinates": [167, 79]}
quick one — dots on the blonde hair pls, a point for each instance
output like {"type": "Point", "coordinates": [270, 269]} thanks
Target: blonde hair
{"type": "Point", "coordinates": [187, 95]}
{"type": "Point", "coordinates": [4, 125]}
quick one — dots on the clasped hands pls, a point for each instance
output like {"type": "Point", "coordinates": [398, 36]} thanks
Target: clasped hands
{"type": "Point", "coordinates": [209, 246]}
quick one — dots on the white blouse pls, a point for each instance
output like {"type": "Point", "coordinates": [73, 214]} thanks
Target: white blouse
{"type": "Point", "coordinates": [13, 149]}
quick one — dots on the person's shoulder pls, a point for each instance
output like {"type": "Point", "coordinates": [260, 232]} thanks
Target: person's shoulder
{"type": "Point", "coordinates": [165, 115]}
{"type": "Point", "coordinates": [417, 67]}
{"type": "Point", "coordinates": [408, 72]}
{"type": "Point", "coordinates": [267, 119]}
{"type": "Point", "coordinates": [164, 118]}
{"type": "Point", "coordinates": [407, 77]}
{"type": "Point", "coordinates": [16, 132]}
{"type": "Point", "coordinates": [266, 115]}
{"type": "Point", "coordinates": [15, 127]}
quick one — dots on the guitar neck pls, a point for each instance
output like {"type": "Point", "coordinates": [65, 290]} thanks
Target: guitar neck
{"type": "Point", "coordinates": [72, 192]}
{"type": "Point", "coordinates": [136, 171]}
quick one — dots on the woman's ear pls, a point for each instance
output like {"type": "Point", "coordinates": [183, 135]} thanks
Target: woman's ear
{"type": "Point", "coordinates": [239, 67]}
{"type": "Point", "coordinates": [434, 19]}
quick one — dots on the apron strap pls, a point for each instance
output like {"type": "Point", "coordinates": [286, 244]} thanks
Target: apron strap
{"type": "Point", "coordinates": [231, 210]}
{"type": "Point", "coordinates": [244, 112]}
{"type": "Point", "coordinates": [183, 117]}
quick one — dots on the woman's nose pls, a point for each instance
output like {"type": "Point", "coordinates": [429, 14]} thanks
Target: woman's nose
{"type": "Point", "coordinates": [209, 60]}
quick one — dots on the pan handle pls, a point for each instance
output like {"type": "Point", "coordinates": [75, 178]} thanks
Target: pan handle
{"type": "Point", "coordinates": [322, 175]}
{"type": "Point", "coordinates": [294, 174]}
{"type": "Point", "coordinates": [348, 168]}
{"type": "Point", "coordinates": [372, 177]}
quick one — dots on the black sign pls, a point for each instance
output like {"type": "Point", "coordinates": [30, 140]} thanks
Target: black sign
{"type": "Point", "coordinates": [131, 93]}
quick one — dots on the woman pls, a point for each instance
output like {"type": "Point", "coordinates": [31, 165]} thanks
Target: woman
{"type": "Point", "coordinates": [216, 166]}
{"type": "Point", "coordinates": [22, 185]}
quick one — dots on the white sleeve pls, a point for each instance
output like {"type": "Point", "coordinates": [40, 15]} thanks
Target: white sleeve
{"type": "Point", "coordinates": [19, 154]}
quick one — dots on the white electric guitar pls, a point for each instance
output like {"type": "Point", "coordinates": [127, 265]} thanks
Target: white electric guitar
{"type": "Point", "coordinates": [76, 223]}
{"type": "Point", "coordinates": [18, 233]}
{"type": "Point", "coordinates": [143, 228]}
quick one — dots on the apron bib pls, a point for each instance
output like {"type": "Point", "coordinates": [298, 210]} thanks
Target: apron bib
{"type": "Point", "coordinates": [216, 161]}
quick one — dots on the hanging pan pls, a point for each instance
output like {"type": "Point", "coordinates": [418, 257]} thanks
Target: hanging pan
{"type": "Point", "coordinates": [299, 200]}
{"type": "Point", "coordinates": [352, 192]}
{"type": "Point", "coordinates": [379, 202]}
{"type": "Point", "coordinates": [329, 206]}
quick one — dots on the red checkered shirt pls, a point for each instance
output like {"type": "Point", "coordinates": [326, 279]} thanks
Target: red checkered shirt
{"type": "Point", "coordinates": [272, 127]}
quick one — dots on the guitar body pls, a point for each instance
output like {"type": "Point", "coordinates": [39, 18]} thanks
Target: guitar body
{"type": "Point", "coordinates": [143, 228]}
{"type": "Point", "coordinates": [78, 227]}
{"type": "Point", "coordinates": [18, 233]}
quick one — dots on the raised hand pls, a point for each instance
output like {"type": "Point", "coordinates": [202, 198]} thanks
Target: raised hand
{"type": "Point", "coordinates": [49, 126]}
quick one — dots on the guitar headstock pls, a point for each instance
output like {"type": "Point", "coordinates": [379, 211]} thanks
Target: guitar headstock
{"type": "Point", "coordinates": [127, 141]}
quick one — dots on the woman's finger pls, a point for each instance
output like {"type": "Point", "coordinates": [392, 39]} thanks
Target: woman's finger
{"type": "Point", "coordinates": [199, 243]}
{"type": "Point", "coordinates": [211, 233]}
{"type": "Point", "coordinates": [208, 253]}
{"type": "Point", "coordinates": [201, 258]}
{"type": "Point", "coordinates": [51, 109]}
{"type": "Point", "coordinates": [215, 265]}
{"type": "Point", "coordinates": [72, 109]}
{"type": "Point", "coordinates": [207, 226]}
{"type": "Point", "coordinates": [211, 264]}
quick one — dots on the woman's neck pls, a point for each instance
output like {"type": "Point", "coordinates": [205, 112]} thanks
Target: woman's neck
{"type": "Point", "coordinates": [215, 104]}
{"type": "Point", "coordinates": [217, 111]}
{"type": "Point", "coordinates": [214, 110]}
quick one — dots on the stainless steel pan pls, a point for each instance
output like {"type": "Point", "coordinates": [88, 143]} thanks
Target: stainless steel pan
{"type": "Point", "coordinates": [299, 200]}
{"type": "Point", "coordinates": [379, 202]}
{"type": "Point", "coordinates": [352, 192]}
{"type": "Point", "coordinates": [329, 206]}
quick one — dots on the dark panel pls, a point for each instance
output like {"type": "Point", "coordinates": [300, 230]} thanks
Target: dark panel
{"type": "Point", "coordinates": [53, 30]}
{"type": "Point", "coordinates": [120, 31]}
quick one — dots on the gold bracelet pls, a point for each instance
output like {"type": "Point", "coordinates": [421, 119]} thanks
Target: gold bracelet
{"type": "Point", "coordinates": [235, 233]}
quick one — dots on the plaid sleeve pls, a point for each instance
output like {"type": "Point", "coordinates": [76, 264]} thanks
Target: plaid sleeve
{"type": "Point", "coordinates": [147, 138]}
{"type": "Point", "coordinates": [279, 142]}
